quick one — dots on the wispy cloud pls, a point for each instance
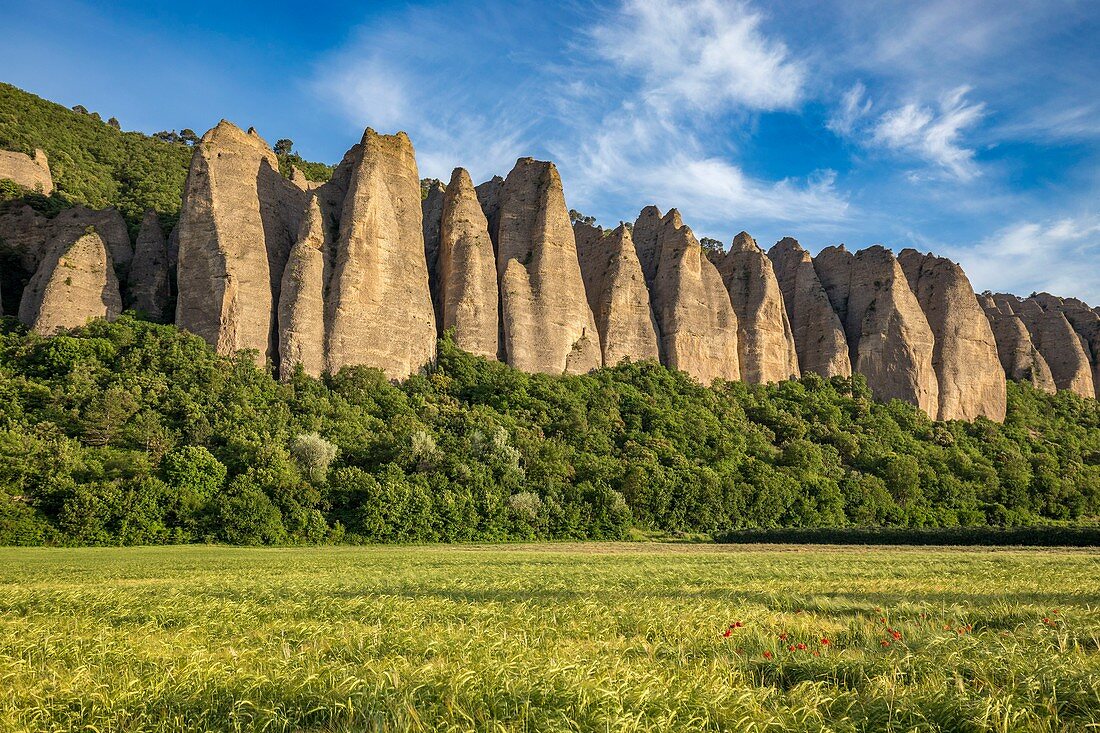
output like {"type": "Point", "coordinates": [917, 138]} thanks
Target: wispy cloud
{"type": "Point", "coordinates": [703, 53]}
{"type": "Point", "coordinates": [1030, 256]}
{"type": "Point", "coordinates": [933, 136]}
{"type": "Point", "coordinates": [854, 106]}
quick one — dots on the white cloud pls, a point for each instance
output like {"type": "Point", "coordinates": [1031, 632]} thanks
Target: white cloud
{"type": "Point", "coordinates": [1030, 256]}
{"type": "Point", "coordinates": [369, 90]}
{"type": "Point", "coordinates": [853, 108]}
{"type": "Point", "coordinates": [703, 53]}
{"type": "Point", "coordinates": [931, 136]}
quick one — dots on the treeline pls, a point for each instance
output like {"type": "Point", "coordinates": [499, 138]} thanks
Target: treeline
{"type": "Point", "coordinates": [129, 432]}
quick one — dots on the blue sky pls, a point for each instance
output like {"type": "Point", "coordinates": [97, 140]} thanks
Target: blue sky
{"type": "Point", "coordinates": [971, 129]}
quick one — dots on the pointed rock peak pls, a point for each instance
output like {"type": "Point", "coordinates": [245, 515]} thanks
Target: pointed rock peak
{"type": "Point", "coordinates": [651, 211]}
{"type": "Point", "coordinates": [494, 181]}
{"type": "Point", "coordinates": [743, 242]}
{"type": "Point", "coordinates": [674, 219]}
{"type": "Point", "coordinates": [150, 220]}
{"type": "Point", "coordinates": [460, 178]}
{"type": "Point", "coordinates": [581, 229]}
{"type": "Point", "coordinates": [622, 231]}
{"type": "Point", "coordinates": [312, 229]}
{"type": "Point", "coordinates": [787, 244]}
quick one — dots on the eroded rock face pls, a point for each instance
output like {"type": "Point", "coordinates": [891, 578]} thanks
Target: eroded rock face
{"type": "Point", "coordinates": [1056, 340]}
{"type": "Point", "coordinates": [432, 208]}
{"type": "Point", "coordinates": [467, 270]}
{"type": "Point", "coordinates": [75, 282]}
{"type": "Point", "coordinates": [380, 307]}
{"type": "Point", "coordinates": [971, 380]}
{"type": "Point", "coordinates": [696, 322]}
{"type": "Point", "coordinates": [237, 224]}
{"type": "Point", "coordinates": [818, 334]}
{"type": "Point", "coordinates": [889, 339]}
{"type": "Point", "coordinates": [488, 195]}
{"type": "Point", "coordinates": [617, 294]}
{"type": "Point", "coordinates": [765, 343]}
{"type": "Point", "coordinates": [1020, 359]}
{"type": "Point", "coordinates": [548, 326]}
{"type": "Point", "coordinates": [1085, 321]}
{"type": "Point", "coordinates": [302, 298]}
{"type": "Point", "coordinates": [148, 289]}
{"type": "Point", "coordinates": [30, 172]}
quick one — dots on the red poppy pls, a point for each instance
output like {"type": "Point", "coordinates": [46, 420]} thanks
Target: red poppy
{"type": "Point", "coordinates": [783, 636]}
{"type": "Point", "coordinates": [1056, 611]}
{"type": "Point", "coordinates": [767, 655]}
{"type": "Point", "coordinates": [825, 641]}
{"type": "Point", "coordinates": [737, 624]}
{"type": "Point", "coordinates": [790, 647]}
{"type": "Point", "coordinates": [727, 632]}
{"type": "Point", "coordinates": [896, 634]}
{"type": "Point", "coordinates": [885, 642]}
{"type": "Point", "coordinates": [800, 647]}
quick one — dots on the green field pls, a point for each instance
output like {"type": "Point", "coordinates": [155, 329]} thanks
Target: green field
{"type": "Point", "coordinates": [599, 637]}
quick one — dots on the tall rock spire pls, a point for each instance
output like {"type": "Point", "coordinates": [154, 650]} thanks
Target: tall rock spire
{"type": "Point", "coordinates": [379, 304]}
{"type": "Point", "coordinates": [696, 322]}
{"type": "Point", "coordinates": [467, 270]}
{"type": "Point", "coordinates": [617, 294]}
{"type": "Point", "coordinates": [237, 224]}
{"type": "Point", "coordinates": [765, 343]}
{"type": "Point", "coordinates": [968, 369]}
{"type": "Point", "coordinates": [889, 339]}
{"type": "Point", "coordinates": [818, 333]}
{"type": "Point", "coordinates": [548, 326]}
{"type": "Point", "coordinates": [301, 298]}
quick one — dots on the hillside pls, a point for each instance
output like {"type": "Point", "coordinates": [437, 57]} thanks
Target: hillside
{"type": "Point", "coordinates": [129, 432]}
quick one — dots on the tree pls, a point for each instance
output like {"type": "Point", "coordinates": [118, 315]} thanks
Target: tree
{"type": "Point", "coordinates": [113, 122]}
{"type": "Point", "coordinates": [188, 136]}
{"type": "Point", "coordinates": [709, 244]}
{"type": "Point", "coordinates": [284, 146]}
{"type": "Point", "coordinates": [576, 217]}
{"type": "Point", "coordinates": [314, 454]}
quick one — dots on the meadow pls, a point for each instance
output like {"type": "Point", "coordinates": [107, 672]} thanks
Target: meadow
{"type": "Point", "coordinates": [569, 637]}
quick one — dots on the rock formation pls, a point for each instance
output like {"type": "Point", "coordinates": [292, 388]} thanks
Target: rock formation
{"type": "Point", "coordinates": [302, 298]}
{"type": "Point", "coordinates": [889, 339]}
{"type": "Point", "coordinates": [75, 282]}
{"type": "Point", "coordinates": [30, 236]}
{"type": "Point", "coordinates": [148, 289]}
{"type": "Point", "coordinates": [548, 326]}
{"type": "Point", "coordinates": [1085, 321]}
{"type": "Point", "coordinates": [1056, 340]}
{"type": "Point", "coordinates": [432, 208]}
{"type": "Point", "coordinates": [1019, 358]}
{"type": "Point", "coordinates": [696, 322]}
{"type": "Point", "coordinates": [237, 224]}
{"type": "Point", "coordinates": [488, 195]}
{"type": "Point", "coordinates": [30, 173]}
{"type": "Point", "coordinates": [765, 343]}
{"type": "Point", "coordinates": [379, 306]}
{"type": "Point", "coordinates": [818, 333]}
{"type": "Point", "coordinates": [617, 294]}
{"type": "Point", "coordinates": [467, 270]}
{"type": "Point", "coordinates": [968, 369]}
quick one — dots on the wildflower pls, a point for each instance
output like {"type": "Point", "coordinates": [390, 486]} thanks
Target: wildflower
{"type": "Point", "coordinates": [727, 633]}
{"type": "Point", "coordinates": [790, 647]}
{"type": "Point", "coordinates": [800, 647]}
{"type": "Point", "coordinates": [767, 655]}
{"type": "Point", "coordinates": [783, 636]}
{"type": "Point", "coordinates": [885, 643]}
{"type": "Point", "coordinates": [825, 641]}
{"type": "Point", "coordinates": [882, 620]}
{"type": "Point", "coordinates": [895, 633]}
{"type": "Point", "coordinates": [1056, 611]}
{"type": "Point", "coordinates": [737, 624]}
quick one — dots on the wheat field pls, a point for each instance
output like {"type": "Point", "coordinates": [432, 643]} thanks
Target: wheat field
{"type": "Point", "coordinates": [586, 637]}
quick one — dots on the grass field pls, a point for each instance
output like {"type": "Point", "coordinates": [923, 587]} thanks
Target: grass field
{"type": "Point", "coordinates": [546, 638]}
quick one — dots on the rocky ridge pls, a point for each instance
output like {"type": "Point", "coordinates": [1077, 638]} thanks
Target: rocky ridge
{"type": "Point", "coordinates": [362, 270]}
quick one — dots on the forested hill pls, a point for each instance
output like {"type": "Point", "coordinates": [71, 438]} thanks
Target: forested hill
{"type": "Point", "coordinates": [96, 164]}
{"type": "Point", "coordinates": [130, 432]}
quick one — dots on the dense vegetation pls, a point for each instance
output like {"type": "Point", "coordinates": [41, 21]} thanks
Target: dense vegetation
{"type": "Point", "coordinates": [129, 432]}
{"type": "Point", "coordinates": [620, 638]}
{"type": "Point", "coordinates": [96, 164]}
